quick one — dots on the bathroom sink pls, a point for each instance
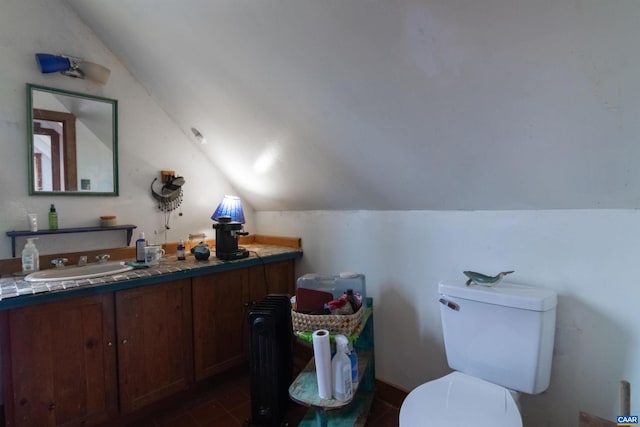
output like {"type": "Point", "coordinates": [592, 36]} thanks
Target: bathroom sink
{"type": "Point", "coordinates": [78, 272]}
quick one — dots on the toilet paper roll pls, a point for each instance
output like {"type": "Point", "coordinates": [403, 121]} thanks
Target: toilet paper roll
{"type": "Point", "coordinates": [322, 355]}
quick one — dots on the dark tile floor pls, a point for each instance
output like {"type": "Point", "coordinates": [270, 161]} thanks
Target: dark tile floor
{"type": "Point", "coordinates": [228, 404]}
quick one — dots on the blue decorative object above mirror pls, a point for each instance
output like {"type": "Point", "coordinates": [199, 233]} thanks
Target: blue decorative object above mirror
{"type": "Point", "coordinates": [72, 143]}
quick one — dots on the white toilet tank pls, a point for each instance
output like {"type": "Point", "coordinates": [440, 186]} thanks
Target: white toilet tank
{"type": "Point", "coordinates": [503, 334]}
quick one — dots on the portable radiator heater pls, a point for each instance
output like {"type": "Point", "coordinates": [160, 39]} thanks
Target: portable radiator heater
{"type": "Point", "coordinates": [270, 360]}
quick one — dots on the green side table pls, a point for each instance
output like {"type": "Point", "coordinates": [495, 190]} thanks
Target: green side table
{"type": "Point", "coordinates": [331, 412]}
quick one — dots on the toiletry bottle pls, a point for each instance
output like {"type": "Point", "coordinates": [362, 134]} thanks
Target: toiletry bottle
{"type": "Point", "coordinates": [341, 369]}
{"type": "Point", "coordinates": [180, 251]}
{"type": "Point", "coordinates": [53, 218]}
{"type": "Point", "coordinates": [353, 357]}
{"type": "Point", "coordinates": [140, 244]}
{"type": "Point", "coordinates": [30, 257]}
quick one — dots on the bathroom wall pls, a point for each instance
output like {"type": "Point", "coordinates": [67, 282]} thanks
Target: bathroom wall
{"type": "Point", "coordinates": [588, 256]}
{"type": "Point", "coordinates": [148, 139]}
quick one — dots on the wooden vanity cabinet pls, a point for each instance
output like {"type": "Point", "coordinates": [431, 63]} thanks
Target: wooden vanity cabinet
{"type": "Point", "coordinates": [154, 342]}
{"type": "Point", "coordinates": [273, 278]}
{"type": "Point", "coordinates": [220, 302]}
{"type": "Point", "coordinates": [61, 364]}
{"type": "Point", "coordinates": [88, 360]}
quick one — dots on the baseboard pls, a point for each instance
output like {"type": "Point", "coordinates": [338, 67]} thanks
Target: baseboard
{"type": "Point", "coordinates": [390, 394]}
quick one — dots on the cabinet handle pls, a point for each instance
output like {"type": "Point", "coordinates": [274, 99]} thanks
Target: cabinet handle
{"type": "Point", "coordinates": [124, 341]}
{"type": "Point", "coordinates": [109, 344]}
{"type": "Point", "coordinates": [51, 406]}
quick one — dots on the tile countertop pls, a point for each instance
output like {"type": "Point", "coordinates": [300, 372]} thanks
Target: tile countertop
{"type": "Point", "coordinates": [16, 292]}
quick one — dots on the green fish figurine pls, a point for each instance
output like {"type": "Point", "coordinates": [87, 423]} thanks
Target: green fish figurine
{"type": "Point", "coordinates": [483, 279]}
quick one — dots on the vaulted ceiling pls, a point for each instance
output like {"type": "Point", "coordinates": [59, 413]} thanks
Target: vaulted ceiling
{"type": "Point", "coordinates": [407, 104]}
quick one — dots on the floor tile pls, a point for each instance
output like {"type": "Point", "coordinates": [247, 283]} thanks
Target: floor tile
{"type": "Point", "coordinates": [205, 412]}
{"type": "Point", "coordinates": [243, 412]}
{"type": "Point", "coordinates": [229, 405]}
{"type": "Point", "coordinates": [232, 398]}
{"type": "Point", "coordinates": [182, 420]}
{"type": "Point", "coordinates": [225, 421]}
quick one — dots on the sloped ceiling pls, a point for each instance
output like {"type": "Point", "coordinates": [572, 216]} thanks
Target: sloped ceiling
{"type": "Point", "coordinates": [407, 104]}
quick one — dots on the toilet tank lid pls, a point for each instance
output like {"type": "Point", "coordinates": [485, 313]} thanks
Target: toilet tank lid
{"type": "Point", "coordinates": [504, 293]}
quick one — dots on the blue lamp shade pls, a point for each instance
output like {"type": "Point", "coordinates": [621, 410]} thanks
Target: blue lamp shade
{"type": "Point", "coordinates": [230, 206]}
{"type": "Point", "coordinates": [52, 63]}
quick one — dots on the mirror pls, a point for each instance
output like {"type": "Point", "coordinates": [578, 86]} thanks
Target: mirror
{"type": "Point", "coordinates": [73, 146]}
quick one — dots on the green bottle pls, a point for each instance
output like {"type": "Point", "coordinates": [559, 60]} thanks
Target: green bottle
{"type": "Point", "coordinates": [53, 218]}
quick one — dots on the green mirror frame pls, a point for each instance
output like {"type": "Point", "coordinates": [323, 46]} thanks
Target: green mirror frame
{"type": "Point", "coordinates": [72, 143]}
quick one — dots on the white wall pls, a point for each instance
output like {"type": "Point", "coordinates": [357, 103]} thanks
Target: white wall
{"type": "Point", "coordinates": [460, 103]}
{"type": "Point", "coordinates": [588, 256]}
{"type": "Point", "coordinates": [149, 141]}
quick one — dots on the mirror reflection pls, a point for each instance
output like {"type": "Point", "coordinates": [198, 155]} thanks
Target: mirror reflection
{"type": "Point", "coordinates": [73, 143]}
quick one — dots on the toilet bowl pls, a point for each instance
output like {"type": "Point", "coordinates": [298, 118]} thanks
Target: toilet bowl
{"type": "Point", "coordinates": [459, 399]}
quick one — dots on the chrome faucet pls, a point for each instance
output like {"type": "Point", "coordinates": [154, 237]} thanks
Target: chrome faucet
{"type": "Point", "coordinates": [59, 262]}
{"type": "Point", "coordinates": [103, 258]}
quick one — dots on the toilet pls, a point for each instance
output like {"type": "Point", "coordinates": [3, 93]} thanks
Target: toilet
{"type": "Point", "coordinates": [499, 342]}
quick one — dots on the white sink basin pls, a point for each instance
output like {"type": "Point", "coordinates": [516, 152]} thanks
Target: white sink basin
{"type": "Point", "coordinates": [78, 272]}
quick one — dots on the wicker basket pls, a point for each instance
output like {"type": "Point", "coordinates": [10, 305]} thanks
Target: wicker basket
{"type": "Point", "coordinates": [334, 323]}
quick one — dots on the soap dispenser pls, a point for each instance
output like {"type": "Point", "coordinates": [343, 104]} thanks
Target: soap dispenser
{"type": "Point", "coordinates": [30, 257]}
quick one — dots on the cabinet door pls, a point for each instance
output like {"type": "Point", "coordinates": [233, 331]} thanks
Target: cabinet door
{"type": "Point", "coordinates": [62, 363]}
{"type": "Point", "coordinates": [219, 321]}
{"type": "Point", "coordinates": [154, 342]}
{"type": "Point", "coordinates": [271, 278]}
